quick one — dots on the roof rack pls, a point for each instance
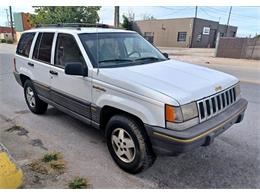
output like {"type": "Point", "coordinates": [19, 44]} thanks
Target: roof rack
{"type": "Point", "coordinates": [73, 25]}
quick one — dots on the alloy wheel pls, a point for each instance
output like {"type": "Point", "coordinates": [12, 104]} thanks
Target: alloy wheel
{"type": "Point", "coordinates": [30, 97]}
{"type": "Point", "coordinates": [123, 145]}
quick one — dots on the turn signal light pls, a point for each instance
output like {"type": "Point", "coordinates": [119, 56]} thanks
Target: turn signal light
{"type": "Point", "coordinates": [169, 113]}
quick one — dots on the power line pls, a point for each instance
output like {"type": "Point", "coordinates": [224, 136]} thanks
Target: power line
{"type": "Point", "coordinates": [206, 12]}
{"type": "Point", "coordinates": [233, 13]}
{"type": "Point", "coordinates": [173, 9]}
{"type": "Point", "coordinates": [217, 14]}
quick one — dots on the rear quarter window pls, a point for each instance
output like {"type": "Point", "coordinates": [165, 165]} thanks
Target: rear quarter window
{"type": "Point", "coordinates": [24, 44]}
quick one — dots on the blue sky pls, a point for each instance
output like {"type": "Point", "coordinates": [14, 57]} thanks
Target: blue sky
{"type": "Point", "coordinates": [246, 18]}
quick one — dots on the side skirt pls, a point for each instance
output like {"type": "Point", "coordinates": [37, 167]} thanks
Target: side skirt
{"type": "Point", "coordinates": [71, 113]}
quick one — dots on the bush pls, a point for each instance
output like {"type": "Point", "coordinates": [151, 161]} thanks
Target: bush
{"type": "Point", "coordinates": [3, 41]}
{"type": "Point", "coordinates": [9, 41]}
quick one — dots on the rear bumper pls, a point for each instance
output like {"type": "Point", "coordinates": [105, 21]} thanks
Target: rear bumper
{"type": "Point", "coordinates": [170, 142]}
{"type": "Point", "coordinates": [17, 78]}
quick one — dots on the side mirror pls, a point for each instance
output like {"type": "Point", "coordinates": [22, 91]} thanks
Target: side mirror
{"type": "Point", "coordinates": [165, 55]}
{"type": "Point", "coordinates": [76, 68]}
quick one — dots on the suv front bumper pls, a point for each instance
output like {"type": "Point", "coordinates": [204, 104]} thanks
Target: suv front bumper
{"type": "Point", "coordinates": [170, 142]}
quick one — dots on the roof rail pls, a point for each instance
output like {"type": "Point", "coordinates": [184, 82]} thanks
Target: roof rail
{"type": "Point", "coordinates": [72, 25]}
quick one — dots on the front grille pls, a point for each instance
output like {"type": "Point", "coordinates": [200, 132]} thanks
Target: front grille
{"type": "Point", "coordinates": [215, 104]}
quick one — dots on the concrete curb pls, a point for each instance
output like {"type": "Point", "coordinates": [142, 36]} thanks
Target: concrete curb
{"type": "Point", "coordinates": [11, 176]}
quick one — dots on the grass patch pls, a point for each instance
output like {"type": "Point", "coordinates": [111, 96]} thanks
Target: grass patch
{"type": "Point", "coordinates": [49, 164]}
{"type": "Point", "coordinates": [78, 183]}
{"type": "Point", "coordinates": [50, 157]}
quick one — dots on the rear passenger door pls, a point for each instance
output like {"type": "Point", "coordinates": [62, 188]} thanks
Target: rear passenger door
{"type": "Point", "coordinates": [41, 63]}
{"type": "Point", "coordinates": [70, 91]}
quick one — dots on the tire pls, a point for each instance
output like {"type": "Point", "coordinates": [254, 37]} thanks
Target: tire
{"type": "Point", "coordinates": [37, 106]}
{"type": "Point", "coordinates": [141, 156]}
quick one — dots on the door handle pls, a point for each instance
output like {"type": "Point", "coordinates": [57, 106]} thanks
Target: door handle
{"type": "Point", "coordinates": [30, 64]}
{"type": "Point", "coordinates": [53, 72]}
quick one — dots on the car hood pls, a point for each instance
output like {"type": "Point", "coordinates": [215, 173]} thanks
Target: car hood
{"type": "Point", "coordinates": [181, 81]}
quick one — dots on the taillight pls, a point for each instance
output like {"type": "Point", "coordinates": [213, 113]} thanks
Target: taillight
{"type": "Point", "coordinates": [15, 65]}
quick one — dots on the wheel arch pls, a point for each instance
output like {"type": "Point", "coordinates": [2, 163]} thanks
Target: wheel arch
{"type": "Point", "coordinates": [107, 112]}
{"type": "Point", "coordinates": [23, 78]}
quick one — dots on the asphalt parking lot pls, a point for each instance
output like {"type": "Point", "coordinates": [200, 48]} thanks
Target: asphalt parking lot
{"type": "Point", "coordinates": [232, 161]}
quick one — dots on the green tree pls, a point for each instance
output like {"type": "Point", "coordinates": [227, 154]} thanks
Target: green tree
{"type": "Point", "coordinates": [127, 24]}
{"type": "Point", "coordinates": [64, 14]}
{"type": "Point", "coordinates": [257, 36]}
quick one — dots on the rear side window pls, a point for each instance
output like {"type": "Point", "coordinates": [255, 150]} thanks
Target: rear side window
{"type": "Point", "coordinates": [25, 43]}
{"type": "Point", "coordinates": [42, 48]}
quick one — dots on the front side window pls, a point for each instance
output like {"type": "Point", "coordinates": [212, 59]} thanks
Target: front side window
{"type": "Point", "coordinates": [25, 43]}
{"type": "Point", "coordinates": [67, 51]}
{"type": "Point", "coordinates": [181, 36]}
{"type": "Point", "coordinates": [107, 50]}
{"type": "Point", "coordinates": [42, 48]}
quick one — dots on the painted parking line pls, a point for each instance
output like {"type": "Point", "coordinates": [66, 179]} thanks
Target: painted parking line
{"type": "Point", "coordinates": [11, 176]}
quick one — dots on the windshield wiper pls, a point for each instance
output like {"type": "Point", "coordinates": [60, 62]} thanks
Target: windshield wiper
{"type": "Point", "coordinates": [148, 58]}
{"type": "Point", "coordinates": [116, 60]}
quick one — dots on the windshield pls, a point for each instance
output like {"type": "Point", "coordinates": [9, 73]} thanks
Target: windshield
{"type": "Point", "coordinates": [119, 49]}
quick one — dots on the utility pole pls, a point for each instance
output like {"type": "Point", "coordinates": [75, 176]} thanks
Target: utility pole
{"type": "Point", "coordinates": [116, 17]}
{"type": "Point", "coordinates": [11, 22]}
{"type": "Point", "coordinates": [228, 19]}
{"type": "Point", "coordinates": [193, 28]}
{"type": "Point", "coordinates": [7, 17]}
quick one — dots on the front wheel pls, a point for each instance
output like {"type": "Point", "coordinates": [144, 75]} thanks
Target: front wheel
{"type": "Point", "coordinates": [35, 104]}
{"type": "Point", "coordinates": [128, 144]}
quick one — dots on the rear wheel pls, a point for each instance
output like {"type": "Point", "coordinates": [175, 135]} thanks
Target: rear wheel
{"type": "Point", "coordinates": [128, 144]}
{"type": "Point", "coordinates": [35, 104]}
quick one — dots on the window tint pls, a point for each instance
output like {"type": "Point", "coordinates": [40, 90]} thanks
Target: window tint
{"type": "Point", "coordinates": [25, 43]}
{"type": "Point", "coordinates": [181, 36]}
{"type": "Point", "coordinates": [67, 51]}
{"type": "Point", "coordinates": [42, 49]}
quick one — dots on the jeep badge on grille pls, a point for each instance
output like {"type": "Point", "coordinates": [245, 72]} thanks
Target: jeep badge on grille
{"type": "Point", "coordinates": [218, 88]}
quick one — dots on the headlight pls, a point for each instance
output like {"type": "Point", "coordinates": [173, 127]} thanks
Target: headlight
{"type": "Point", "coordinates": [189, 111]}
{"type": "Point", "coordinates": [237, 90]}
{"type": "Point", "coordinates": [181, 117]}
{"type": "Point", "coordinates": [180, 114]}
